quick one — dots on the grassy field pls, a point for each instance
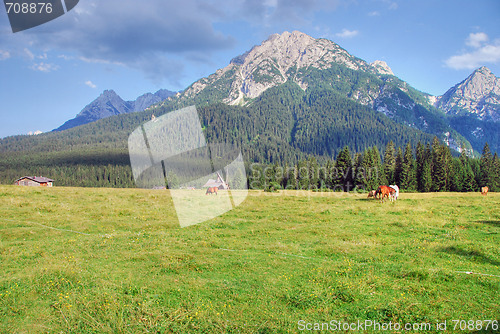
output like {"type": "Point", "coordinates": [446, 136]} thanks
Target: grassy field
{"type": "Point", "coordinates": [81, 260]}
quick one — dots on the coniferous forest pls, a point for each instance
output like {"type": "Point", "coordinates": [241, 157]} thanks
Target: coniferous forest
{"type": "Point", "coordinates": [290, 138]}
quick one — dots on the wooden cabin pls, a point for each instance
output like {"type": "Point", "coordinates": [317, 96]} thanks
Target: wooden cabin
{"type": "Point", "coordinates": [219, 183]}
{"type": "Point", "coordinates": [34, 181]}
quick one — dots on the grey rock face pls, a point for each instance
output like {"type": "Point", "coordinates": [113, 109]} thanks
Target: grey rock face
{"type": "Point", "coordinates": [479, 94]}
{"type": "Point", "coordinates": [109, 104]}
{"type": "Point", "coordinates": [278, 59]}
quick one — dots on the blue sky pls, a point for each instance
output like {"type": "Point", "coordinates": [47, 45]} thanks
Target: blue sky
{"type": "Point", "coordinates": [50, 72]}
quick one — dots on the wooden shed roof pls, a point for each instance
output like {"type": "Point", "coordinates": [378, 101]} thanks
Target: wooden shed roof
{"type": "Point", "coordinates": [38, 179]}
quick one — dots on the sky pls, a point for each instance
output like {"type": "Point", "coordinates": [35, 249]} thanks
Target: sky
{"type": "Point", "coordinates": [49, 73]}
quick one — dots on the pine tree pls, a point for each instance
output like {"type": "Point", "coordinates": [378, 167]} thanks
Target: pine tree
{"type": "Point", "coordinates": [486, 165]}
{"type": "Point", "coordinates": [377, 174]}
{"type": "Point", "coordinates": [389, 162]}
{"type": "Point", "coordinates": [476, 170]}
{"type": "Point", "coordinates": [398, 167]}
{"type": "Point", "coordinates": [360, 165]}
{"type": "Point", "coordinates": [457, 175]}
{"type": "Point", "coordinates": [407, 175]}
{"type": "Point", "coordinates": [426, 176]}
{"type": "Point", "coordinates": [344, 170]}
{"type": "Point", "coordinates": [329, 167]}
{"type": "Point", "coordinates": [496, 173]}
{"type": "Point", "coordinates": [420, 160]}
{"type": "Point", "coordinates": [441, 160]}
{"type": "Point", "coordinates": [469, 182]}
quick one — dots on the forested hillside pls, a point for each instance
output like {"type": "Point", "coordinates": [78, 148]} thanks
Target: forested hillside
{"type": "Point", "coordinates": [283, 125]}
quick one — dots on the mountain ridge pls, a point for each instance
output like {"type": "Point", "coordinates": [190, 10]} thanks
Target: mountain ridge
{"type": "Point", "coordinates": [312, 64]}
{"type": "Point", "coordinates": [478, 94]}
{"type": "Point", "coordinates": [277, 60]}
{"type": "Point", "coordinates": [109, 103]}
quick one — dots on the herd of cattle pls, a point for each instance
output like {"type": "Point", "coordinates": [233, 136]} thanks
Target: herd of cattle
{"type": "Point", "coordinates": [392, 192]}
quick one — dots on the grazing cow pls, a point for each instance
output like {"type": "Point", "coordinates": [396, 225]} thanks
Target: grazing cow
{"type": "Point", "coordinates": [372, 194]}
{"type": "Point", "coordinates": [396, 194]}
{"type": "Point", "coordinates": [383, 192]}
{"type": "Point", "coordinates": [212, 190]}
{"type": "Point", "coordinates": [484, 191]}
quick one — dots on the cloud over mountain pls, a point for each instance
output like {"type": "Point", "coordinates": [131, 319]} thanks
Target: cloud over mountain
{"type": "Point", "coordinates": [132, 33]}
{"type": "Point", "coordinates": [480, 53]}
{"type": "Point", "coordinates": [136, 34]}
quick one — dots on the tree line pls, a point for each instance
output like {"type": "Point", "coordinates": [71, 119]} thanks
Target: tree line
{"type": "Point", "coordinates": [425, 168]}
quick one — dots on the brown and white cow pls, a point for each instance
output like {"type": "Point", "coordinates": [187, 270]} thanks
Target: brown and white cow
{"type": "Point", "coordinates": [383, 192]}
{"type": "Point", "coordinates": [484, 191]}
{"type": "Point", "coordinates": [372, 194]}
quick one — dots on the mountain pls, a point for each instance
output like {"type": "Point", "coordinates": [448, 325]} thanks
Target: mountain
{"type": "Point", "coordinates": [473, 108]}
{"type": "Point", "coordinates": [291, 98]}
{"type": "Point", "coordinates": [110, 104]}
{"type": "Point", "coordinates": [280, 58]}
{"type": "Point", "coordinates": [312, 64]}
{"type": "Point", "coordinates": [478, 94]}
{"type": "Point", "coordinates": [319, 64]}
{"type": "Point", "coordinates": [146, 100]}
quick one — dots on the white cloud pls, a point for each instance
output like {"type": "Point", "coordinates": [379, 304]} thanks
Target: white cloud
{"type": "Point", "coordinates": [374, 13]}
{"type": "Point", "coordinates": [481, 54]}
{"type": "Point", "coordinates": [165, 30]}
{"type": "Point", "coordinates": [475, 40]}
{"type": "Point", "coordinates": [393, 6]}
{"type": "Point", "coordinates": [4, 54]}
{"type": "Point", "coordinates": [65, 57]}
{"type": "Point", "coordinates": [90, 84]}
{"type": "Point", "coordinates": [29, 54]}
{"type": "Point", "coordinates": [345, 33]}
{"type": "Point", "coordinates": [44, 67]}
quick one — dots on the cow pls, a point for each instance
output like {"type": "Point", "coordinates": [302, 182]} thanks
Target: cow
{"type": "Point", "coordinates": [212, 190]}
{"type": "Point", "coordinates": [484, 191]}
{"type": "Point", "coordinates": [396, 194]}
{"type": "Point", "coordinates": [383, 192]}
{"type": "Point", "coordinates": [372, 194]}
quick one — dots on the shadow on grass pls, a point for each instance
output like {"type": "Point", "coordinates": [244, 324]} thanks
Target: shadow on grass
{"type": "Point", "coordinates": [489, 222]}
{"type": "Point", "coordinates": [474, 255]}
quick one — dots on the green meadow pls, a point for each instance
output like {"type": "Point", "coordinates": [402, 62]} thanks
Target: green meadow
{"type": "Point", "coordinates": [94, 260]}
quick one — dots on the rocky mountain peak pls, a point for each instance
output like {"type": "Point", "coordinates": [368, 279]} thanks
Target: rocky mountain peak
{"type": "Point", "coordinates": [481, 81]}
{"type": "Point", "coordinates": [294, 49]}
{"type": "Point", "coordinates": [109, 93]}
{"type": "Point", "coordinates": [109, 103]}
{"type": "Point", "coordinates": [276, 60]}
{"type": "Point", "coordinates": [478, 94]}
{"type": "Point", "coordinates": [381, 67]}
